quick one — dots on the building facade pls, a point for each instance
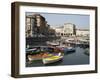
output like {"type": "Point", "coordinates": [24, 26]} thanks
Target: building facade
{"type": "Point", "coordinates": [69, 29]}
{"type": "Point", "coordinates": [36, 25]}
{"type": "Point", "coordinates": [82, 32]}
{"type": "Point", "coordinates": [58, 30]}
{"type": "Point", "coordinates": [30, 25]}
{"type": "Point", "coordinates": [41, 23]}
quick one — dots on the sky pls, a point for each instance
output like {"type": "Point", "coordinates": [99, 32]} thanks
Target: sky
{"type": "Point", "coordinates": [81, 21]}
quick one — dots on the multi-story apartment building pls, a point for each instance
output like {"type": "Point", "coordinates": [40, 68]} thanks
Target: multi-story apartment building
{"type": "Point", "coordinates": [30, 25]}
{"type": "Point", "coordinates": [37, 25]}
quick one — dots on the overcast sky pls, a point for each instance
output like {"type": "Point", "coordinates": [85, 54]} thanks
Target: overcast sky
{"type": "Point", "coordinates": [81, 21]}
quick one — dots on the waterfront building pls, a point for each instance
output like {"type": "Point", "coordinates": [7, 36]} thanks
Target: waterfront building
{"type": "Point", "coordinates": [30, 25]}
{"type": "Point", "coordinates": [41, 23]}
{"type": "Point", "coordinates": [69, 29]}
{"type": "Point", "coordinates": [82, 32]}
{"type": "Point", "coordinates": [46, 29]}
{"type": "Point", "coordinates": [51, 32]}
{"type": "Point", "coordinates": [58, 30]}
{"type": "Point", "coordinates": [36, 25]}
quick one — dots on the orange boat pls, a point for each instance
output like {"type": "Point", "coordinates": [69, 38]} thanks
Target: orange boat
{"type": "Point", "coordinates": [38, 56]}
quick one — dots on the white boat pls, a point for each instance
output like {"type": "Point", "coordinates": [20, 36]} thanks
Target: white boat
{"type": "Point", "coordinates": [31, 49]}
{"type": "Point", "coordinates": [52, 43]}
{"type": "Point", "coordinates": [52, 59]}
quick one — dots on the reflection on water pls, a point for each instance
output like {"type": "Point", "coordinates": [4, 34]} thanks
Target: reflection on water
{"type": "Point", "coordinates": [72, 58]}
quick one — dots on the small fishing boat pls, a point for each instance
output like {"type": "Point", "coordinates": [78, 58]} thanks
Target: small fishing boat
{"type": "Point", "coordinates": [30, 50]}
{"type": "Point", "coordinates": [38, 56]}
{"type": "Point", "coordinates": [33, 51]}
{"type": "Point", "coordinates": [87, 51]}
{"type": "Point", "coordinates": [53, 59]}
{"type": "Point", "coordinates": [52, 43]}
{"type": "Point", "coordinates": [69, 49]}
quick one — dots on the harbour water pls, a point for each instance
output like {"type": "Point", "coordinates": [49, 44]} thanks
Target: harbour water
{"type": "Point", "coordinates": [72, 58]}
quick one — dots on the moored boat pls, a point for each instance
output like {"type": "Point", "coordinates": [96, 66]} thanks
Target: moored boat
{"type": "Point", "coordinates": [69, 49]}
{"type": "Point", "coordinates": [87, 51]}
{"type": "Point", "coordinates": [38, 56]}
{"type": "Point", "coordinates": [53, 59]}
